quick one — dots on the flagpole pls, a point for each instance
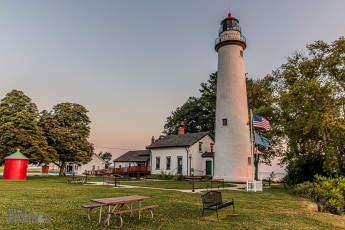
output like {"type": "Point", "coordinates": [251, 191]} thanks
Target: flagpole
{"type": "Point", "coordinates": [252, 142]}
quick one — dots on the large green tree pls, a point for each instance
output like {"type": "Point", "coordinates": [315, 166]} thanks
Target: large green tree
{"type": "Point", "coordinates": [261, 101]}
{"type": "Point", "coordinates": [310, 98]}
{"type": "Point", "coordinates": [67, 129]}
{"type": "Point", "coordinates": [19, 129]}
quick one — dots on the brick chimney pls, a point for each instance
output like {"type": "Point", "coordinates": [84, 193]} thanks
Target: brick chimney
{"type": "Point", "coordinates": [180, 130]}
{"type": "Point", "coordinates": [152, 140]}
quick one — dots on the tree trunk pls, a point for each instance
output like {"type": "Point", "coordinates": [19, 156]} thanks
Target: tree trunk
{"type": "Point", "coordinates": [62, 169]}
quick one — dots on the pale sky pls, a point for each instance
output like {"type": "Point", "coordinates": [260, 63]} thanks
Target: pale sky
{"type": "Point", "coordinates": [132, 62]}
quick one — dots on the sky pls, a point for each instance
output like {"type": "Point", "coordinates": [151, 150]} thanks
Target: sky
{"type": "Point", "coordinates": [131, 63]}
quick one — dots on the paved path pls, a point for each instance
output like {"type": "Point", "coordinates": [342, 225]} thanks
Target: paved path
{"type": "Point", "coordinates": [237, 187]}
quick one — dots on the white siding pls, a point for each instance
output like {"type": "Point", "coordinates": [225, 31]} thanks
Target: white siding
{"type": "Point", "coordinates": [195, 162]}
{"type": "Point", "coordinates": [96, 161]}
{"type": "Point", "coordinates": [233, 141]}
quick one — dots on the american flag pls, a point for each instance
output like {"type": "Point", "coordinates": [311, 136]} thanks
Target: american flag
{"type": "Point", "coordinates": [261, 122]}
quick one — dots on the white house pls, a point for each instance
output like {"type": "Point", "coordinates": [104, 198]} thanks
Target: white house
{"type": "Point", "coordinates": [186, 154]}
{"type": "Point", "coordinates": [96, 163]}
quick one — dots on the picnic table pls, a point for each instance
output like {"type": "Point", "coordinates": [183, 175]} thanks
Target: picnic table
{"type": "Point", "coordinates": [115, 205]}
{"type": "Point", "coordinates": [76, 179]}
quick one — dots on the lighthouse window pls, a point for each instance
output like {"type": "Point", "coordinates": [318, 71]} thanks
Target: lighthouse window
{"type": "Point", "coordinates": [241, 53]}
{"type": "Point", "coordinates": [225, 122]}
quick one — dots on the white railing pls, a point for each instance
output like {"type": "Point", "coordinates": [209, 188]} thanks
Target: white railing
{"type": "Point", "coordinates": [230, 37]}
{"type": "Point", "coordinates": [254, 186]}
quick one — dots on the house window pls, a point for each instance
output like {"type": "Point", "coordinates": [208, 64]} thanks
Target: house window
{"type": "Point", "coordinates": [158, 163]}
{"type": "Point", "coordinates": [119, 166]}
{"type": "Point", "coordinates": [129, 164]}
{"type": "Point", "coordinates": [212, 147]}
{"type": "Point", "coordinates": [225, 122]}
{"type": "Point", "coordinates": [93, 168]}
{"type": "Point", "coordinates": [241, 53]}
{"type": "Point", "coordinates": [168, 163]}
{"type": "Point", "coordinates": [249, 160]}
{"type": "Point", "coordinates": [200, 147]}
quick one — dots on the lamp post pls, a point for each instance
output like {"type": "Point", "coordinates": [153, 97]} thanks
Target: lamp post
{"type": "Point", "coordinates": [85, 173]}
{"type": "Point", "coordinates": [190, 162]}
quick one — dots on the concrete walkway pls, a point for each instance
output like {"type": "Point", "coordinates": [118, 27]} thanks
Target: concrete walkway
{"type": "Point", "coordinates": [237, 187]}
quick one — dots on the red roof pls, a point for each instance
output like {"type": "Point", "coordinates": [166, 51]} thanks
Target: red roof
{"type": "Point", "coordinates": [229, 17]}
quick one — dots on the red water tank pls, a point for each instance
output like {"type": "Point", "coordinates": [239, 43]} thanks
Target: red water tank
{"type": "Point", "coordinates": [16, 166]}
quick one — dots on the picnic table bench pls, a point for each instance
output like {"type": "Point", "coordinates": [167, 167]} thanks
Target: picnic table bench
{"type": "Point", "coordinates": [212, 200]}
{"type": "Point", "coordinates": [216, 182]}
{"type": "Point", "coordinates": [120, 212]}
{"type": "Point", "coordinates": [75, 180]}
{"type": "Point", "coordinates": [118, 203]}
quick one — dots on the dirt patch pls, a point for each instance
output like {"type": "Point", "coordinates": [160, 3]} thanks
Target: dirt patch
{"type": "Point", "coordinates": [312, 207]}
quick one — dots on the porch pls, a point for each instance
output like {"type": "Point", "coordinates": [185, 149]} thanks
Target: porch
{"type": "Point", "coordinates": [131, 171]}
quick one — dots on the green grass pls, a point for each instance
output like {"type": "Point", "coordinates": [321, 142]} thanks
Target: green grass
{"type": "Point", "coordinates": [171, 184]}
{"type": "Point", "coordinates": [275, 208]}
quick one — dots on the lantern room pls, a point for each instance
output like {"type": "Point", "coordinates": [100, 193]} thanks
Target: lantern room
{"type": "Point", "coordinates": [16, 166]}
{"type": "Point", "coordinates": [229, 23]}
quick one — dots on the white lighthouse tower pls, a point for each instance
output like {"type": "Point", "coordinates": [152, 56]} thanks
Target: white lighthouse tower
{"type": "Point", "coordinates": [232, 158]}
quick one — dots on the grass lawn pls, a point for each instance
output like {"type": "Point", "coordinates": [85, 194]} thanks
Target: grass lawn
{"type": "Point", "coordinates": [171, 184]}
{"type": "Point", "coordinates": [275, 208]}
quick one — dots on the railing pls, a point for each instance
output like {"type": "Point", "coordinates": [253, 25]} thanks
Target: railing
{"type": "Point", "coordinates": [132, 169]}
{"type": "Point", "coordinates": [238, 28]}
{"type": "Point", "coordinates": [254, 186]}
{"type": "Point", "coordinates": [125, 170]}
{"type": "Point", "coordinates": [230, 37]}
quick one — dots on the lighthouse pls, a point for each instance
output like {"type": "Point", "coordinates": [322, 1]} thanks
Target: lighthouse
{"type": "Point", "coordinates": [232, 157]}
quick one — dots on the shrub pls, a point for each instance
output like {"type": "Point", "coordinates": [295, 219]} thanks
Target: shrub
{"type": "Point", "coordinates": [328, 193]}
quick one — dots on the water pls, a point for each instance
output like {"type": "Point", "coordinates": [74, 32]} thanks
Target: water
{"type": "Point", "coordinates": [266, 175]}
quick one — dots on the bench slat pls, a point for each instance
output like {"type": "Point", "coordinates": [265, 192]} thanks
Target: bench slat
{"type": "Point", "coordinates": [134, 209]}
{"type": "Point", "coordinates": [91, 205]}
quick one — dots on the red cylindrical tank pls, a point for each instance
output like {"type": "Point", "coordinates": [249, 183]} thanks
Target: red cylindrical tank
{"type": "Point", "coordinates": [16, 166]}
{"type": "Point", "coordinates": [45, 169]}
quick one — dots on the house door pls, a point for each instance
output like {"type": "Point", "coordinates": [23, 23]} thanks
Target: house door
{"type": "Point", "coordinates": [179, 165]}
{"type": "Point", "coordinates": [208, 168]}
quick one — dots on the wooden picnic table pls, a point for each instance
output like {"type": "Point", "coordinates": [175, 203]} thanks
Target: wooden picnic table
{"type": "Point", "coordinates": [118, 203]}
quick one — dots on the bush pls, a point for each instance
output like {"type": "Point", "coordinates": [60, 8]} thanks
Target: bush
{"type": "Point", "coordinates": [328, 193]}
{"type": "Point", "coordinates": [161, 176]}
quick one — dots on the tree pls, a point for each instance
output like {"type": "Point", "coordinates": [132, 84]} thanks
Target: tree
{"type": "Point", "coordinates": [261, 101]}
{"type": "Point", "coordinates": [67, 128]}
{"type": "Point", "coordinates": [106, 157]}
{"type": "Point", "coordinates": [310, 98]}
{"type": "Point", "coordinates": [19, 129]}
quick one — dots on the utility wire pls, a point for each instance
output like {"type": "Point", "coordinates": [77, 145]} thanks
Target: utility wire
{"type": "Point", "coordinates": [103, 147]}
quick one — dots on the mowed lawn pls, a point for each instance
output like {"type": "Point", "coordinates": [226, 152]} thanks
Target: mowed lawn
{"type": "Point", "coordinates": [275, 208]}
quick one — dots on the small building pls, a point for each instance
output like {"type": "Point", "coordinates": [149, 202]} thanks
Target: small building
{"type": "Point", "coordinates": [185, 154]}
{"type": "Point", "coordinates": [96, 163]}
{"type": "Point", "coordinates": [133, 158]}
{"type": "Point", "coordinates": [133, 163]}
{"type": "Point", "coordinates": [16, 166]}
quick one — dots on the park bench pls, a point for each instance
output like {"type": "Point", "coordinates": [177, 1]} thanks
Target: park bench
{"type": "Point", "coordinates": [212, 200]}
{"type": "Point", "coordinates": [217, 182]}
{"type": "Point", "coordinates": [120, 212]}
{"type": "Point", "coordinates": [76, 180]}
